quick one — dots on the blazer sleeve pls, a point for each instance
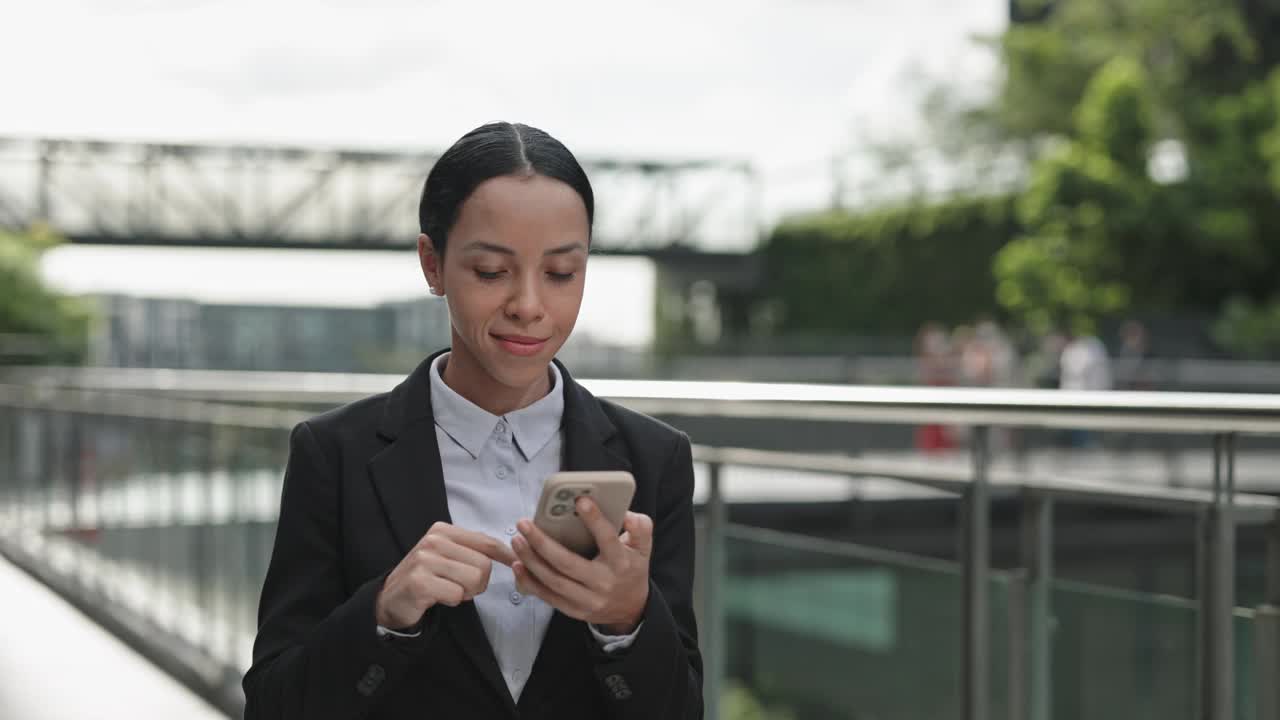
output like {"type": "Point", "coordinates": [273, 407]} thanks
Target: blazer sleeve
{"type": "Point", "coordinates": [660, 675]}
{"type": "Point", "coordinates": [318, 653]}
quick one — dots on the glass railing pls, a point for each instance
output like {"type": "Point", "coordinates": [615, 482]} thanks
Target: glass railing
{"type": "Point", "coordinates": [166, 524]}
{"type": "Point", "coordinates": [160, 526]}
{"type": "Point", "coordinates": [1132, 656]}
{"type": "Point", "coordinates": [825, 630]}
{"type": "Point", "coordinates": [836, 631]}
{"type": "Point", "coordinates": [1122, 654]}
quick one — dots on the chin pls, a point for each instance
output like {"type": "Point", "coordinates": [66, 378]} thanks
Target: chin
{"type": "Point", "coordinates": [518, 372]}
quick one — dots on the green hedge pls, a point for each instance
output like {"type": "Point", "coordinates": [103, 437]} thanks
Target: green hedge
{"type": "Point", "coordinates": [33, 314]}
{"type": "Point", "coordinates": [885, 272]}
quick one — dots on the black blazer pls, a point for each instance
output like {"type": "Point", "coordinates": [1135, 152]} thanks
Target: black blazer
{"type": "Point", "coordinates": [362, 485]}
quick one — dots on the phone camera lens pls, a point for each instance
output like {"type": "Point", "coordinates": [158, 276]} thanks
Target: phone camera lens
{"type": "Point", "coordinates": [564, 494]}
{"type": "Point", "coordinates": [559, 510]}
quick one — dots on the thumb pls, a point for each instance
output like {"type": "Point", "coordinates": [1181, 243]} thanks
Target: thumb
{"type": "Point", "coordinates": [639, 533]}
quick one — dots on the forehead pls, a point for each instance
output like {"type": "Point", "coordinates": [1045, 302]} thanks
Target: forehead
{"type": "Point", "coordinates": [531, 209]}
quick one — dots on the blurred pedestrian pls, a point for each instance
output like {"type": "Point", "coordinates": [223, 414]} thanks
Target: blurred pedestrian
{"type": "Point", "coordinates": [1133, 360]}
{"type": "Point", "coordinates": [1085, 365]}
{"type": "Point", "coordinates": [935, 367]}
{"type": "Point", "coordinates": [1133, 372]}
{"type": "Point", "coordinates": [968, 358]}
{"type": "Point", "coordinates": [1001, 358]}
{"type": "Point", "coordinates": [1044, 367]}
{"type": "Point", "coordinates": [998, 361]}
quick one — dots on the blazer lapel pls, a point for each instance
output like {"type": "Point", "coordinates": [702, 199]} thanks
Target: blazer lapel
{"type": "Point", "coordinates": [409, 482]}
{"type": "Point", "coordinates": [590, 443]}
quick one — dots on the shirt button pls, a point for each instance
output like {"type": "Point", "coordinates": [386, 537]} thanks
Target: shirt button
{"type": "Point", "coordinates": [502, 472]}
{"type": "Point", "coordinates": [516, 598]}
{"type": "Point", "coordinates": [511, 531]}
{"type": "Point", "coordinates": [501, 429]}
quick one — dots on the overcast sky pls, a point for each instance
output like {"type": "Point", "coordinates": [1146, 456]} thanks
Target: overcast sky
{"type": "Point", "coordinates": [784, 84]}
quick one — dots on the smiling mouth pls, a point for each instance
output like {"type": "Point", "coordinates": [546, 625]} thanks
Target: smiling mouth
{"type": "Point", "coordinates": [521, 339]}
{"type": "Point", "coordinates": [520, 344]}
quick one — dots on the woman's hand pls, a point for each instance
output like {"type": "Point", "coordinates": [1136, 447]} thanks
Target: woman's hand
{"type": "Point", "coordinates": [610, 591]}
{"type": "Point", "coordinates": [449, 565]}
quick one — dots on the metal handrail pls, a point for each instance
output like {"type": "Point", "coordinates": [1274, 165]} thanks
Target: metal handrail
{"type": "Point", "coordinates": [152, 407]}
{"type": "Point", "coordinates": [1250, 509]}
{"type": "Point", "coordinates": [1157, 412]}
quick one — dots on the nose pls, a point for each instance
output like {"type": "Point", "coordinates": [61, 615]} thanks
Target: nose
{"type": "Point", "coordinates": [525, 303]}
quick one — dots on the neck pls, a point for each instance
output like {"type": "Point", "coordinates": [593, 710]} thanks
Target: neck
{"type": "Point", "coordinates": [467, 378]}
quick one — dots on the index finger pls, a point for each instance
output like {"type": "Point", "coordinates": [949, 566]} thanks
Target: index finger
{"type": "Point", "coordinates": [606, 535]}
{"type": "Point", "coordinates": [490, 546]}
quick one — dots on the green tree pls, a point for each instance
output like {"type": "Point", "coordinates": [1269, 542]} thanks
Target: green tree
{"type": "Point", "coordinates": [1086, 202]}
{"type": "Point", "coordinates": [1095, 87]}
{"type": "Point", "coordinates": [1143, 139]}
{"type": "Point", "coordinates": [49, 327]}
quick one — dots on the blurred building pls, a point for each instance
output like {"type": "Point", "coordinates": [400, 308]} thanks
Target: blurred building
{"type": "Point", "coordinates": [392, 337]}
{"type": "Point", "coordinates": [147, 332]}
{"type": "Point", "coordinates": [170, 333]}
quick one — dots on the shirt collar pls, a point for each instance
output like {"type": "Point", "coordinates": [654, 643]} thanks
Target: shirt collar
{"type": "Point", "coordinates": [471, 426]}
{"type": "Point", "coordinates": [535, 425]}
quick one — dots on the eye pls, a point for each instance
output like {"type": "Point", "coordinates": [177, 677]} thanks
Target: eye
{"type": "Point", "coordinates": [561, 277]}
{"type": "Point", "coordinates": [488, 274]}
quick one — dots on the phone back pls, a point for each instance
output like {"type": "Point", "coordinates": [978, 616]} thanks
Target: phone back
{"type": "Point", "coordinates": [556, 516]}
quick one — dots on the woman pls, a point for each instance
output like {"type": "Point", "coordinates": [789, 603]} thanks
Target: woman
{"type": "Point", "coordinates": [406, 580]}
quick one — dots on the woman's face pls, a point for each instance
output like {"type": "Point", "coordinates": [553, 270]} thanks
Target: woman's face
{"type": "Point", "coordinates": [513, 274]}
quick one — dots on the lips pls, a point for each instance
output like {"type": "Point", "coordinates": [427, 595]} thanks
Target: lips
{"type": "Point", "coordinates": [521, 345]}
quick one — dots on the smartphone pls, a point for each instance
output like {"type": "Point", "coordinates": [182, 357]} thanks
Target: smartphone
{"type": "Point", "coordinates": [556, 514]}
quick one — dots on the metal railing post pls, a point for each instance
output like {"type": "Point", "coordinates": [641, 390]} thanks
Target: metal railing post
{"type": "Point", "coordinates": [11, 502]}
{"type": "Point", "coordinates": [975, 559]}
{"type": "Point", "coordinates": [714, 635]}
{"type": "Point", "coordinates": [1037, 558]}
{"type": "Point", "coordinates": [45, 471]}
{"type": "Point", "coordinates": [1018, 649]}
{"type": "Point", "coordinates": [206, 546]}
{"type": "Point", "coordinates": [1267, 633]}
{"type": "Point", "coordinates": [1215, 572]}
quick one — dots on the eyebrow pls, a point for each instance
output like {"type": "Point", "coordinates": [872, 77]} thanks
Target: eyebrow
{"type": "Point", "coordinates": [504, 250]}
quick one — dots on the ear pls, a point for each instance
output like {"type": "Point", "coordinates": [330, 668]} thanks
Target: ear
{"type": "Point", "coordinates": [432, 265]}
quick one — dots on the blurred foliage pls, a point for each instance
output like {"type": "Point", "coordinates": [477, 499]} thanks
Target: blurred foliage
{"type": "Point", "coordinates": [1187, 48]}
{"type": "Point", "coordinates": [1085, 201]}
{"type": "Point", "coordinates": [36, 324]}
{"type": "Point", "coordinates": [1100, 84]}
{"type": "Point", "coordinates": [1146, 136]}
{"type": "Point", "coordinates": [1249, 329]}
{"type": "Point", "coordinates": [886, 271]}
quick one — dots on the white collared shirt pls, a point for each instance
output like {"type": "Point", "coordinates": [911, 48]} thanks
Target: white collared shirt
{"type": "Point", "coordinates": [494, 468]}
